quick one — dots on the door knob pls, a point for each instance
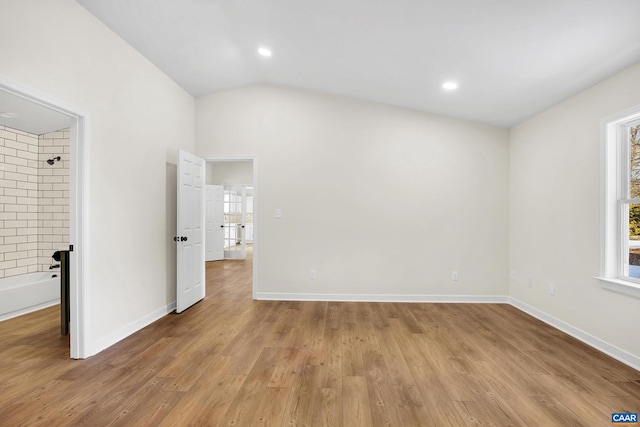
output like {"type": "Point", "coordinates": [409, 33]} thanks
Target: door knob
{"type": "Point", "coordinates": [183, 239]}
{"type": "Point", "coordinates": [176, 239]}
{"type": "Point", "coordinates": [222, 226]}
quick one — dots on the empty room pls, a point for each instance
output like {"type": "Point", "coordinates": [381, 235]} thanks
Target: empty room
{"type": "Point", "coordinates": [336, 213]}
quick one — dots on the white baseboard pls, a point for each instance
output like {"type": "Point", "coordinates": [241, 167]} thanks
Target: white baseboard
{"type": "Point", "coordinates": [603, 346]}
{"type": "Point", "coordinates": [130, 329]}
{"type": "Point", "coordinates": [382, 298]}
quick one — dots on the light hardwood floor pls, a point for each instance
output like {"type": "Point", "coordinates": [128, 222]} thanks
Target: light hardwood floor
{"type": "Point", "coordinates": [236, 362]}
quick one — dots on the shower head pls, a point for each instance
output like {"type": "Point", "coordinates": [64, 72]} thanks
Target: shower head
{"type": "Point", "coordinates": [51, 161]}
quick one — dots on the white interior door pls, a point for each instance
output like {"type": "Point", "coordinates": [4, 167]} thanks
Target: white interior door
{"type": "Point", "coordinates": [215, 223]}
{"type": "Point", "coordinates": [190, 284]}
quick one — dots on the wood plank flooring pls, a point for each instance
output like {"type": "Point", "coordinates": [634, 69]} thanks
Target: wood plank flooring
{"type": "Point", "coordinates": [231, 361]}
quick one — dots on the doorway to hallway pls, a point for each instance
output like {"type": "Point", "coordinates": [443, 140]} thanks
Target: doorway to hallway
{"type": "Point", "coordinates": [231, 234]}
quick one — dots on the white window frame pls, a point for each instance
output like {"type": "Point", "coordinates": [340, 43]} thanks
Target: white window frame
{"type": "Point", "coordinates": [614, 199]}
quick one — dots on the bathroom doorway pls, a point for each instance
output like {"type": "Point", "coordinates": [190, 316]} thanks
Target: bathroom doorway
{"type": "Point", "coordinates": [43, 169]}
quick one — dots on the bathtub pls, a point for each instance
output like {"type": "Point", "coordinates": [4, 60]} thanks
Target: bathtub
{"type": "Point", "coordinates": [28, 292]}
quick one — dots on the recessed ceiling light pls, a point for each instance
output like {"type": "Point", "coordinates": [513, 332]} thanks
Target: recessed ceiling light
{"type": "Point", "coordinates": [264, 51]}
{"type": "Point", "coordinates": [8, 115]}
{"type": "Point", "coordinates": [450, 85]}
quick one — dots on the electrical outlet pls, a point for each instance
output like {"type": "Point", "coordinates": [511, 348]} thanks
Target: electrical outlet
{"type": "Point", "coordinates": [314, 274]}
{"type": "Point", "coordinates": [278, 213]}
{"type": "Point", "coordinates": [454, 276]}
{"type": "Point", "coordinates": [513, 275]}
{"type": "Point", "coordinates": [552, 289]}
{"type": "Point", "coordinates": [530, 281]}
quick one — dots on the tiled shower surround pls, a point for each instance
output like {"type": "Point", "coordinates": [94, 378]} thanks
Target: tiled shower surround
{"type": "Point", "coordinates": [53, 196]}
{"type": "Point", "coordinates": [34, 199]}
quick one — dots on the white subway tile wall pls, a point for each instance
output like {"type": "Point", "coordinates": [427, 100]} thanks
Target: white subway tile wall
{"type": "Point", "coordinates": [34, 199]}
{"type": "Point", "coordinates": [53, 196]}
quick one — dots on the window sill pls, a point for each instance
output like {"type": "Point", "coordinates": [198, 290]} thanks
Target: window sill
{"type": "Point", "coordinates": [620, 286]}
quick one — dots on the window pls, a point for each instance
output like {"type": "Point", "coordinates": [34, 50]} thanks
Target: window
{"type": "Point", "coordinates": [631, 205]}
{"type": "Point", "coordinates": [620, 269]}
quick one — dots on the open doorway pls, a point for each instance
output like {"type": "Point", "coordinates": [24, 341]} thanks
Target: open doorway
{"type": "Point", "coordinates": [42, 137]}
{"type": "Point", "coordinates": [231, 214]}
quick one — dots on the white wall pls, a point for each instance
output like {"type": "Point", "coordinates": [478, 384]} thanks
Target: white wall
{"type": "Point", "coordinates": [379, 200]}
{"type": "Point", "coordinates": [230, 173]}
{"type": "Point", "coordinates": [555, 213]}
{"type": "Point", "coordinates": [139, 118]}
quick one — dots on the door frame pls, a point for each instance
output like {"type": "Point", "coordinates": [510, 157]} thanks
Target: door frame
{"type": "Point", "coordinates": [78, 209]}
{"type": "Point", "coordinates": [254, 162]}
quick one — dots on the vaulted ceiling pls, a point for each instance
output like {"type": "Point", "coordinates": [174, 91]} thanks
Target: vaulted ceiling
{"type": "Point", "coordinates": [510, 58]}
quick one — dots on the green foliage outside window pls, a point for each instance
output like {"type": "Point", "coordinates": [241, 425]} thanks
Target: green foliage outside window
{"type": "Point", "coordinates": [634, 222]}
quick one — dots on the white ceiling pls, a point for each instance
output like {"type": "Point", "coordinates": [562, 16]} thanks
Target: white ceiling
{"type": "Point", "coordinates": [512, 58]}
{"type": "Point", "coordinates": [30, 116]}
